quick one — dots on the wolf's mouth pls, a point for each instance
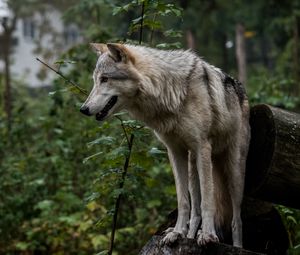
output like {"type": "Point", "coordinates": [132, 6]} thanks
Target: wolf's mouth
{"type": "Point", "coordinates": [102, 114]}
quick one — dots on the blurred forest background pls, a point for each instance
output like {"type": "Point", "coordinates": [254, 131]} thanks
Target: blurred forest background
{"type": "Point", "coordinates": [61, 173]}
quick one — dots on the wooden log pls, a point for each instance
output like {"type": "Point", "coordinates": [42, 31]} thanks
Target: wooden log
{"type": "Point", "coordinates": [273, 164]}
{"type": "Point", "coordinates": [190, 247]}
{"type": "Point", "coordinates": [263, 230]}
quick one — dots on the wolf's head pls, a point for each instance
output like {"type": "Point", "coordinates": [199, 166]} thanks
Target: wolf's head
{"type": "Point", "coordinates": [115, 81]}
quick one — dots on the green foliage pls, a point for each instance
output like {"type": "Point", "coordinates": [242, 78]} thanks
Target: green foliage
{"type": "Point", "coordinates": [275, 90]}
{"type": "Point", "coordinates": [64, 177]}
{"type": "Point", "coordinates": [291, 221]}
{"type": "Point", "coordinates": [51, 201]}
{"type": "Point", "coordinates": [151, 19]}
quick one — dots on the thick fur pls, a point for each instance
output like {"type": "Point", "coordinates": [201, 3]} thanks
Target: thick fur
{"type": "Point", "coordinates": [199, 113]}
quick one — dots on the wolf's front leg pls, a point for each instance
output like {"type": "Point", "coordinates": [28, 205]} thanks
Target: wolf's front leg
{"type": "Point", "coordinates": [194, 190]}
{"type": "Point", "coordinates": [179, 161]}
{"type": "Point", "coordinates": [208, 208]}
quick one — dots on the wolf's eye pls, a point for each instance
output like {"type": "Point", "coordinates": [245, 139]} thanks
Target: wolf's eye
{"type": "Point", "coordinates": [103, 79]}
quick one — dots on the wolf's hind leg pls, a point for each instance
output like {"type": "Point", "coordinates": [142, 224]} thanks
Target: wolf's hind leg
{"type": "Point", "coordinates": [235, 168]}
{"type": "Point", "coordinates": [208, 208]}
{"type": "Point", "coordinates": [179, 161]}
{"type": "Point", "coordinates": [195, 195]}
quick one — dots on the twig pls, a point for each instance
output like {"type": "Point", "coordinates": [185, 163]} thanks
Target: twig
{"type": "Point", "coordinates": [118, 201]}
{"type": "Point", "coordinates": [126, 164]}
{"type": "Point", "coordinates": [142, 23]}
{"type": "Point", "coordinates": [64, 77]}
{"type": "Point", "coordinates": [124, 130]}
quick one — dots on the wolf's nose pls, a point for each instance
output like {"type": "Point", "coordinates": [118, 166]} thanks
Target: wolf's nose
{"type": "Point", "coordinates": [85, 110]}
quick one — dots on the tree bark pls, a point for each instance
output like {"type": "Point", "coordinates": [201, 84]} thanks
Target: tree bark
{"type": "Point", "coordinates": [224, 52]}
{"type": "Point", "coordinates": [7, 92]}
{"type": "Point", "coordinates": [7, 39]}
{"type": "Point", "coordinates": [240, 51]}
{"type": "Point", "coordinates": [273, 163]}
{"type": "Point", "coordinates": [190, 39]}
{"type": "Point", "coordinates": [296, 56]}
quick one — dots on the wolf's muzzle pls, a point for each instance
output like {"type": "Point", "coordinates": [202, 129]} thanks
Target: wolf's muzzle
{"type": "Point", "coordinates": [85, 110]}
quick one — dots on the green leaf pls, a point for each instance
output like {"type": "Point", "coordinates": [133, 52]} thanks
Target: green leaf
{"type": "Point", "coordinates": [296, 247]}
{"type": "Point", "coordinates": [104, 140]}
{"type": "Point", "coordinates": [64, 61]}
{"type": "Point", "coordinates": [117, 10]}
{"type": "Point", "coordinates": [154, 203]}
{"type": "Point", "coordinates": [132, 123]}
{"type": "Point", "coordinates": [105, 252]}
{"type": "Point", "coordinates": [52, 93]}
{"type": "Point", "coordinates": [99, 240]}
{"type": "Point", "coordinates": [22, 246]}
{"type": "Point", "coordinates": [175, 45]}
{"type": "Point", "coordinates": [120, 114]}
{"type": "Point", "coordinates": [70, 220]}
{"type": "Point", "coordinates": [173, 33]}
{"type": "Point", "coordinates": [92, 206]}
{"type": "Point", "coordinates": [291, 219]}
{"type": "Point", "coordinates": [37, 182]}
{"type": "Point", "coordinates": [155, 151]}
{"type": "Point", "coordinates": [44, 205]}
{"type": "Point", "coordinates": [118, 192]}
{"type": "Point", "coordinates": [92, 156]}
{"type": "Point", "coordinates": [119, 152]}
{"type": "Point", "coordinates": [177, 12]}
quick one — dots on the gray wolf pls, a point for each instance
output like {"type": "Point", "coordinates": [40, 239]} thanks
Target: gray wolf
{"type": "Point", "coordinates": [201, 116]}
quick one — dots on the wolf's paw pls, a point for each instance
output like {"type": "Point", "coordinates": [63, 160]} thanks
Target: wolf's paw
{"type": "Point", "coordinates": [171, 238]}
{"type": "Point", "coordinates": [168, 230]}
{"type": "Point", "coordinates": [193, 227]}
{"type": "Point", "coordinates": [204, 238]}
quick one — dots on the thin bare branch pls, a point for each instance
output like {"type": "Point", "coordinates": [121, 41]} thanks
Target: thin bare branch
{"type": "Point", "coordinates": [63, 76]}
{"type": "Point", "coordinates": [118, 201]}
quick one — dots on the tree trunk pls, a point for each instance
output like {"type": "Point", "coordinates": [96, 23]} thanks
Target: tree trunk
{"type": "Point", "coordinates": [273, 164]}
{"type": "Point", "coordinates": [224, 52]}
{"type": "Point", "coordinates": [7, 39]}
{"type": "Point", "coordinates": [7, 92]}
{"type": "Point", "coordinates": [190, 39]}
{"type": "Point", "coordinates": [240, 51]}
{"type": "Point", "coordinates": [264, 49]}
{"type": "Point", "coordinates": [296, 56]}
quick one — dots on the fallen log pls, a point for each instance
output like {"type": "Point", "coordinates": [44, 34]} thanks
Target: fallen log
{"type": "Point", "coordinates": [273, 163]}
{"type": "Point", "coordinates": [190, 247]}
{"type": "Point", "coordinates": [263, 230]}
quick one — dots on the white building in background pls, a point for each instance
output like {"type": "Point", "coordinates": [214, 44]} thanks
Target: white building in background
{"type": "Point", "coordinates": [43, 35]}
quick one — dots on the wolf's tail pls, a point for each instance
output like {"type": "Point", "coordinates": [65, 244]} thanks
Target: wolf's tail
{"type": "Point", "coordinates": [223, 204]}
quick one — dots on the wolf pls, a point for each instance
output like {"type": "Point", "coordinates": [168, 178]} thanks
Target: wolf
{"type": "Point", "coordinates": [199, 113]}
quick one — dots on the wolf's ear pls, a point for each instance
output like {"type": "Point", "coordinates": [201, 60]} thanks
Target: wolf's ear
{"type": "Point", "coordinates": [99, 48]}
{"type": "Point", "coordinates": [120, 52]}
